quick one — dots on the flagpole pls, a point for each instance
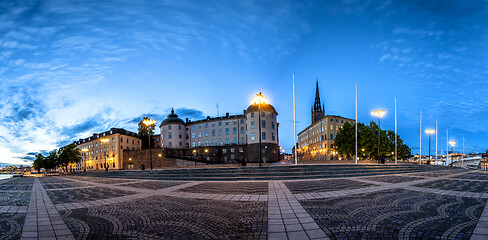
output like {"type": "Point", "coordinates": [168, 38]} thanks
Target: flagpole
{"type": "Point", "coordinates": [420, 153]}
{"type": "Point", "coordinates": [436, 139]}
{"type": "Point", "coordinates": [396, 133]}
{"type": "Point", "coordinates": [447, 142]}
{"type": "Point", "coordinates": [356, 123]}
{"type": "Point", "coordinates": [294, 120]}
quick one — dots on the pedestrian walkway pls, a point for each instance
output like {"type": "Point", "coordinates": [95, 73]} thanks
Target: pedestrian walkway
{"type": "Point", "coordinates": [441, 204]}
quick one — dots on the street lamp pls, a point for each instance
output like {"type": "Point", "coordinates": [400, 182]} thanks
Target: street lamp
{"type": "Point", "coordinates": [259, 99]}
{"type": "Point", "coordinates": [430, 132]}
{"type": "Point", "coordinates": [105, 140]}
{"type": "Point", "coordinates": [149, 123]}
{"type": "Point", "coordinates": [379, 114]}
{"type": "Point", "coordinates": [452, 143]}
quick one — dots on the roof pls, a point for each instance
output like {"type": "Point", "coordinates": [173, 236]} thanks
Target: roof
{"type": "Point", "coordinates": [172, 118]}
{"type": "Point", "coordinates": [265, 107]}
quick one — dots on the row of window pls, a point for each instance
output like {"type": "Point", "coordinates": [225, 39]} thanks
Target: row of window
{"type": "Point", "coordinates": [199, 126]}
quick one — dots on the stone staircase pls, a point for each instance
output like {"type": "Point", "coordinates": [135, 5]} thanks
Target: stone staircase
{"type": "Point", "coordinates": [282, 172]}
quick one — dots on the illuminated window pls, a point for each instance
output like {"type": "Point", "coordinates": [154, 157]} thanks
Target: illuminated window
{"type": "Point", "coordinates": [252, 137]}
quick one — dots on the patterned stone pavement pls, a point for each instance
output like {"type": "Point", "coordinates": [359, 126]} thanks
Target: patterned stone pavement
{"type": "Point", "coordinates": [450, 204]}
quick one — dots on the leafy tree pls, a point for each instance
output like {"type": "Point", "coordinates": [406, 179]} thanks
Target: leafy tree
{"type": "Point", "coordinates": [144, 133]}
{"type": "Point", "coordinates": [68, 155]}
{"type": "Point", "coordinates": [39, 163]}
{"type": "Point", "coordinates": [368, 142]}
{"type": "Point", "coordinates": [52, 160]}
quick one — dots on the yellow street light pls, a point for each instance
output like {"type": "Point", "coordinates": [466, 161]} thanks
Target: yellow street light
{"type": "Point", "coordinates": [379, 114]}
{"type": "Point", "coordinates": [149, 123]}
{"type": "Point", "coordinates": [452, 143]}
{"type": "Point", "coordinates": [206, 150]}
{"type": "Point", "coordinates": [430, 132]}
{"type": "Point", "coordinates": [160, 155]}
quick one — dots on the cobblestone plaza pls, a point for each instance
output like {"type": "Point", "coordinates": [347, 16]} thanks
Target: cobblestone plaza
{"type": "Point", "coordinates": [442, 204]}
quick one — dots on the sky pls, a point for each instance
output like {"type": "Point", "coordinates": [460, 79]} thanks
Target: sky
{"type": "Point", "coordinates": [69, 69]}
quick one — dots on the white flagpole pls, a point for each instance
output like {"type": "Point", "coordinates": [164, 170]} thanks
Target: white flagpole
{"type": "Point", "coordinates": [396, 133]}
{"type": "Point", "coordinates": [447, 144]}
{"type": "Point", "coordinates": [356, 123]}
{"type": "Point", "coordinates": [294, 120]}
{"type": "Point", "coordinates": [420, 153]}
{"type": "Point", "coordinates": [436, 140]}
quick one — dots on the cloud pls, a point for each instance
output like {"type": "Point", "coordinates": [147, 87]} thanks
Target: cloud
{"type": "Point", "coordinates": [193, 114]}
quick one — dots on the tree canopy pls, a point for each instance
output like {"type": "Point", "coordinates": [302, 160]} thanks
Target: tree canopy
{"type": "Point", "coordinates": [368, 142]}
{"type": "Point", "coordinates": [55, 159]}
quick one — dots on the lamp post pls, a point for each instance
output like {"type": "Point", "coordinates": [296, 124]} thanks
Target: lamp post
{"type": "Point", "coordinates": [149, 123]}
{"type": "Point", "coordinates": [379, 114]}
{"type": "Point", "coordinates": [452, 143]}
{"type": "Point", "coordinates": [258, 100]}
{"type": "Point", "coordinates": [430, 132]}
{"type": "Point", "coordinates": [105, 140]}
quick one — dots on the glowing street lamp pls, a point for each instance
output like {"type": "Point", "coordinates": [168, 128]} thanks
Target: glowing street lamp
{"type": "Point", "coordinates": [149, 123]}
{"type": "Point", "coordinates": [452, 143]}
{"type": "Point", "coordinates": [379, 114]}
{"type": "Point", "coordinates": [258, 100]}
{"type": "Point", "coordinates": [430, 132]}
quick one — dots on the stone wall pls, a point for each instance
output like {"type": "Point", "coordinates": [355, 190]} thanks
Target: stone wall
{"type": "Point", "coordinates": [134, 159]}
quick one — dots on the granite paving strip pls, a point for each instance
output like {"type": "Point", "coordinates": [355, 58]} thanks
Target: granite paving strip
{"type": "Point", "coordinates": [287, 219]}
{"type": "Point", "coordinates": [43, 220]}
{"type": "Point", "coordinates": [481, 230]}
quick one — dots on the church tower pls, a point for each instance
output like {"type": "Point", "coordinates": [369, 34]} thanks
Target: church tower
{"type": "Point", "coordinates": [318, 110]}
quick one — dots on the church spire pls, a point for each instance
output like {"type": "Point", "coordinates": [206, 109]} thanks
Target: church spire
{"type": "Point", "coordinates": [318, 109]}
{"type": "Point", "coordinates": [316, 105]}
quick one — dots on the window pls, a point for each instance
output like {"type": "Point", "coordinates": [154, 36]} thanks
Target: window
{"type": "Point", "coordinates": [206, 143]}
{"type": "Point", "coordinates": [199, 134]}
{"type": "Point", "coordinates": [234, 130]}
{"type": "Point", "coordinates": [331, 127]}
{"type": "Point", "coordinates": [252, 115]}
{"type": "Point", "coordinates": [226, 122]}
{"type": "Point", "coordinates": [179, 127]}
{"type": "Point", "coordinates": [252, 136]}
{"type": "Point", "coordinates": [331, 120]}
{"type": "Point", "coordinates": [192, 135]}
{"type": "Point", "coordinates": [342, 121]}
{"type": "Point", "coordinates": [113, 140]}
{"type": "Point", "coordinates": [252, 125]}
{"type": "Point", "coordinates": [227, 141]}
{"type": "Point", "coordinates": [179, 136]}
{"type": "Point", "coordinates": [272, 125]}
{"type": "Point", "coordinates": [272, 115]}
{"type": "Point", "coordinates": [199, 143]}
{"type": "Point", "coordinates": [263, 135]}
{"type": "Point", "coordinates": [113, 148]}
{"type": "Point", "coordinates": [263, 124]}
{"type": "Point", "coordinates": [213, 132]}
{"type": "Point", "coordinates": [220, 123]}
{"type": "Point", "coordinates": [224, 150]}
{"type": "Point", "coordinates": [169, 135]}
{"type": "Point", "coordinates": [213, 124]}
{"type": "Point", "coordinates": [220, 142]}
{"type": "Point", "coordinates": [170, 143]}
{"type": "Point", "coordinates": [235, 122]}
{"type": "Point", "coordinates": [193, 127]}
{"type": "Point", "coordinates": [206, 133]}
{"type": "Point", "coordinates": [220, 132]}
{"type": "Point", "coordinates": [234, 141]}
{"type": "Point", "coordinates": [337, 128]}
{"type": "Point", "coordinates": [199, 126]}
{"type": "Point", "coordinates": [169, 127]}
{"type": "Point", "coordinates": [337, 120]}
{"type": "Point", "coordinates": [332, 137]}
{"type": "Point", "coordinates": [241, 149]}
{"type": "Point", "coordinates": [226, 131]}
{"type": "Point", "coordinates": [206, 125]}
{"type": "Point", "coordinates": [242, 140]}
{"type": "Point", "coordinates": [242, 121]}
{"type": "Point", "coordinates": [181, 143]}
{"type": "Point", "coordinates": [193, 144]}
{"type": "Point", "coordinates": [262, 114]}
{"type": "Point", "coordinates": [272, 136]}
{"type": "Point", "coordinates": [231, 150]}
{"type": "Point", "coordinates": [213, 142]}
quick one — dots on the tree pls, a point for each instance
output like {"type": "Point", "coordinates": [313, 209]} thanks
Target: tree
{"type": "Point", "coordinates": [368, 142]}
{"type": "Point", "coordinates": [52, 160]}
{"type": "Point", "coordinates": [145, 132]}
{"type": "Point", "coordinates": [39, 163]}
{"type": "Point", "coordinates": [68, 155]}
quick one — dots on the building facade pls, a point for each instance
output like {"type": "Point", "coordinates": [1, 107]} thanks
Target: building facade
{"type": "Point", "coordinates": [316, 142]}
{"type": "Point", "coordinates": [105, 150]}
{"type": "Point", "coordinates": [230, 137]}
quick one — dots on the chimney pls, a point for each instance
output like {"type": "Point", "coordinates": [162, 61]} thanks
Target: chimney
{"type": "Point", "coordinates": [227, 114]}
{"type": "Point", "coordinates": [186, 120]}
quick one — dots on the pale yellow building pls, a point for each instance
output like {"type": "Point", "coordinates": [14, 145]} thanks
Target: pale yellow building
{"type": "Point", "coordinates": [106, 149]}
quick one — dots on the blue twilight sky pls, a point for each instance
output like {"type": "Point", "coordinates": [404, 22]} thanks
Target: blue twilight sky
{"type": "Point", "coordinates": [72, 68]}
